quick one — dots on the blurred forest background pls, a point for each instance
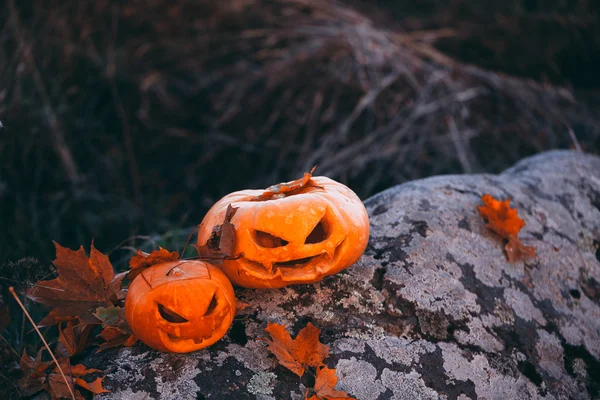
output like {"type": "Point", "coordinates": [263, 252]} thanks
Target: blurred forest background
{"type": "Point", "coordinates": [129, 119]}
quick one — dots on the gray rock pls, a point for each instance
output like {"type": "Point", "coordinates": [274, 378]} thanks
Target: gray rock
{"type": "Point", "coordinates": [433, 310]}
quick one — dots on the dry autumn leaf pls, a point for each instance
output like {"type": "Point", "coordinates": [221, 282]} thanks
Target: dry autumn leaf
{"type": "Point", "coordinates": [115, 330]}
{"type": "Point", "coordinates": [300, 353]}
{"type": "Point", "coordinates": [83, 284]}
{"type": "Point", "coordinates": [325, 386]}
{"type": "Point", "coordinates": [286, 188]}
{"type": "Point", "coordinates": [34, 373]}
{"type": "Point", "coordinates": [40, 375]}
{"type": "Point", "coordinates": [74, 337]}
{"type": "Point", "coordinates": [240, 306]}
{"type": "Point", "coordinates": [142, 260]}
{"type": "Point", "coordinates": [505, 222]}
{"type": "Point", "coordinates": [221, 243]}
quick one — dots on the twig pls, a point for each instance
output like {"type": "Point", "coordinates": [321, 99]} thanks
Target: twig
{"type": "Point", "coordinates": [58, 135]}
{"type": "Point", "coordinates": [457, 141]}
{"type": "Point", "coordinates": [574, 139]}
{"type": "Point", "coordinates": [188, 240]}
{"type": "Point", "coordinates": [127, 137]}
{"type": "Point", "coordinates": [14, 294]}
{"type": "Point", "coordinates": [9, 346]}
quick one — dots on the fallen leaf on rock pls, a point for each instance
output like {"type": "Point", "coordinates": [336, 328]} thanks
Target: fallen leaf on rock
{"type": "Point", "coordinates": [325, 386]}
{"type": "Point", "coordinates": [142, 260]}
{"type": "Point", "coordinates": [240, 306]}
{"type": "Point", "coordinates": [94, 386]}
{"type": "Point", "coordinates": [286, 188]}
{"type": "Point", "coordinates": [221, 243]}
{"type": "Point", "coordinates": [116, 331]}
{"type": "Point", "coordinates": [505, 222]}
{"type": "Point", "coordinates": [300, 353]}
{"type": "Point", "coordinates": [83, 284]}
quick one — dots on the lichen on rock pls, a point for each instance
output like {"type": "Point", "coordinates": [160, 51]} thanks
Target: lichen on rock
{"type": "Point", "coordinates": [432, 310]}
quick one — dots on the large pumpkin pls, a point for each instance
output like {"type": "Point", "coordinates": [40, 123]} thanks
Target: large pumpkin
{"type": "Point", "coordinates": [293, 237]}
{"type": "Point", "coordinates": [180, 306]}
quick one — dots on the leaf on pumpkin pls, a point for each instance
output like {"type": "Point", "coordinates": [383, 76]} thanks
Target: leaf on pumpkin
{"type": "Point", "coordinates": [116, 331]}
{"type": "Point", "coordinates": [74, 337]}
{"type": "Point", "coordinates": [142, 260]}
{"type": "Point", "coordinates": [300, 353]}
{"type": "Point", "coordinates": [83, 284]}
{"type": "Point", "coordinates": [325, 386]}
{"type": "Point", "coordinates": [220, 245]}
{"type": "Point", "coordinates": [286, 188]}
{"type": "Point", "coordinates": [505, 221]}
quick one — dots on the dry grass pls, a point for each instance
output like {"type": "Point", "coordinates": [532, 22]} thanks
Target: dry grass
{"type": "Point", "coordinates": [126, 118]}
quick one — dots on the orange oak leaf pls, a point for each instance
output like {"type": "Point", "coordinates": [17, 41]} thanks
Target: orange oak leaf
{"type": "Point", "coordinates": [286, 188]}
{"type": "Point", "coordinates": [506, 223]}
{"type": "Point", "coordinates": [74, 337]}
{"type": "Point", "coordinates": [94, 386]}
{"type": "Point", "coordinates": [240, 306]}
{"type": "Point", "coordinates": [221, 243]}
{"type": "Point", "coordinates": [116, 331]}
{"type": "Point", "coordinates": [142, 260]}
{"type": "Point", "coordinates": [300, 353]}
{"type": "Point", "coordinates": [325, 386]}
{"type": "Point", "coordinates": [83, 284]}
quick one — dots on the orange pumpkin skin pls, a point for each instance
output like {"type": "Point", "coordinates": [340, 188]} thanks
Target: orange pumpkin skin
{"type": "Point", "coordinates": [292, 239]}
{"type": "Point", "coordinates": [180, 306]}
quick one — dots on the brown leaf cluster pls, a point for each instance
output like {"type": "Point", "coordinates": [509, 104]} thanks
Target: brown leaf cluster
{"type": "Point", "coordinates": [506, 223]}
{"type": "Point", "coordinates": [303, 352]}
{"type": "Point", "coordinates": [85, 295]}
{"type": "Point", "coordinates": [44, 375]}
{"type": "Point", "coordinates": [83, 284]}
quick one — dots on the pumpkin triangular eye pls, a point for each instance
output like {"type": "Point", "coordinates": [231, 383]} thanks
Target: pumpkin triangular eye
{"type": "Point", "coordinates": [170, 315]}
{"type": "Point", "coordinates": [212, 305]}
{"type": "Point", "coordinates": [267, 240]}
{"type": "Point", "coordinates": [318, 234]}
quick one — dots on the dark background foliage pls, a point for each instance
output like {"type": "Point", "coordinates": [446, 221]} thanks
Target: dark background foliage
{"type": "Point", "coordinates": [125, 118]}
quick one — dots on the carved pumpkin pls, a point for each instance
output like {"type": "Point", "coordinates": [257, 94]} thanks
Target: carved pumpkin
{"type": "Point", "coordinates": [293, 236]}
{"type": "Point", "coordinates": [180, 306]}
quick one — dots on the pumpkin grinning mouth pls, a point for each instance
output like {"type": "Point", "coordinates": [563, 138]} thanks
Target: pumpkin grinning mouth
{"type": "Point", "coordinates": [176, 339]}
{"type": "Point", "coordinates": [300, 262]}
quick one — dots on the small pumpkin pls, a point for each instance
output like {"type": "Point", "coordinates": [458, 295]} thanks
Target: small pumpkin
{"type": "Point", "coordinates": [292, 233]}
{"type": "Point", "coordinates": [180, 306]}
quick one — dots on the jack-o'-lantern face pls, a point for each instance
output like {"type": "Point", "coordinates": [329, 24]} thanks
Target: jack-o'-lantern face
{"type": "Point", "coordinates": [290, 239]}
{"type": "Point", "coordinates": [180, 306]}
